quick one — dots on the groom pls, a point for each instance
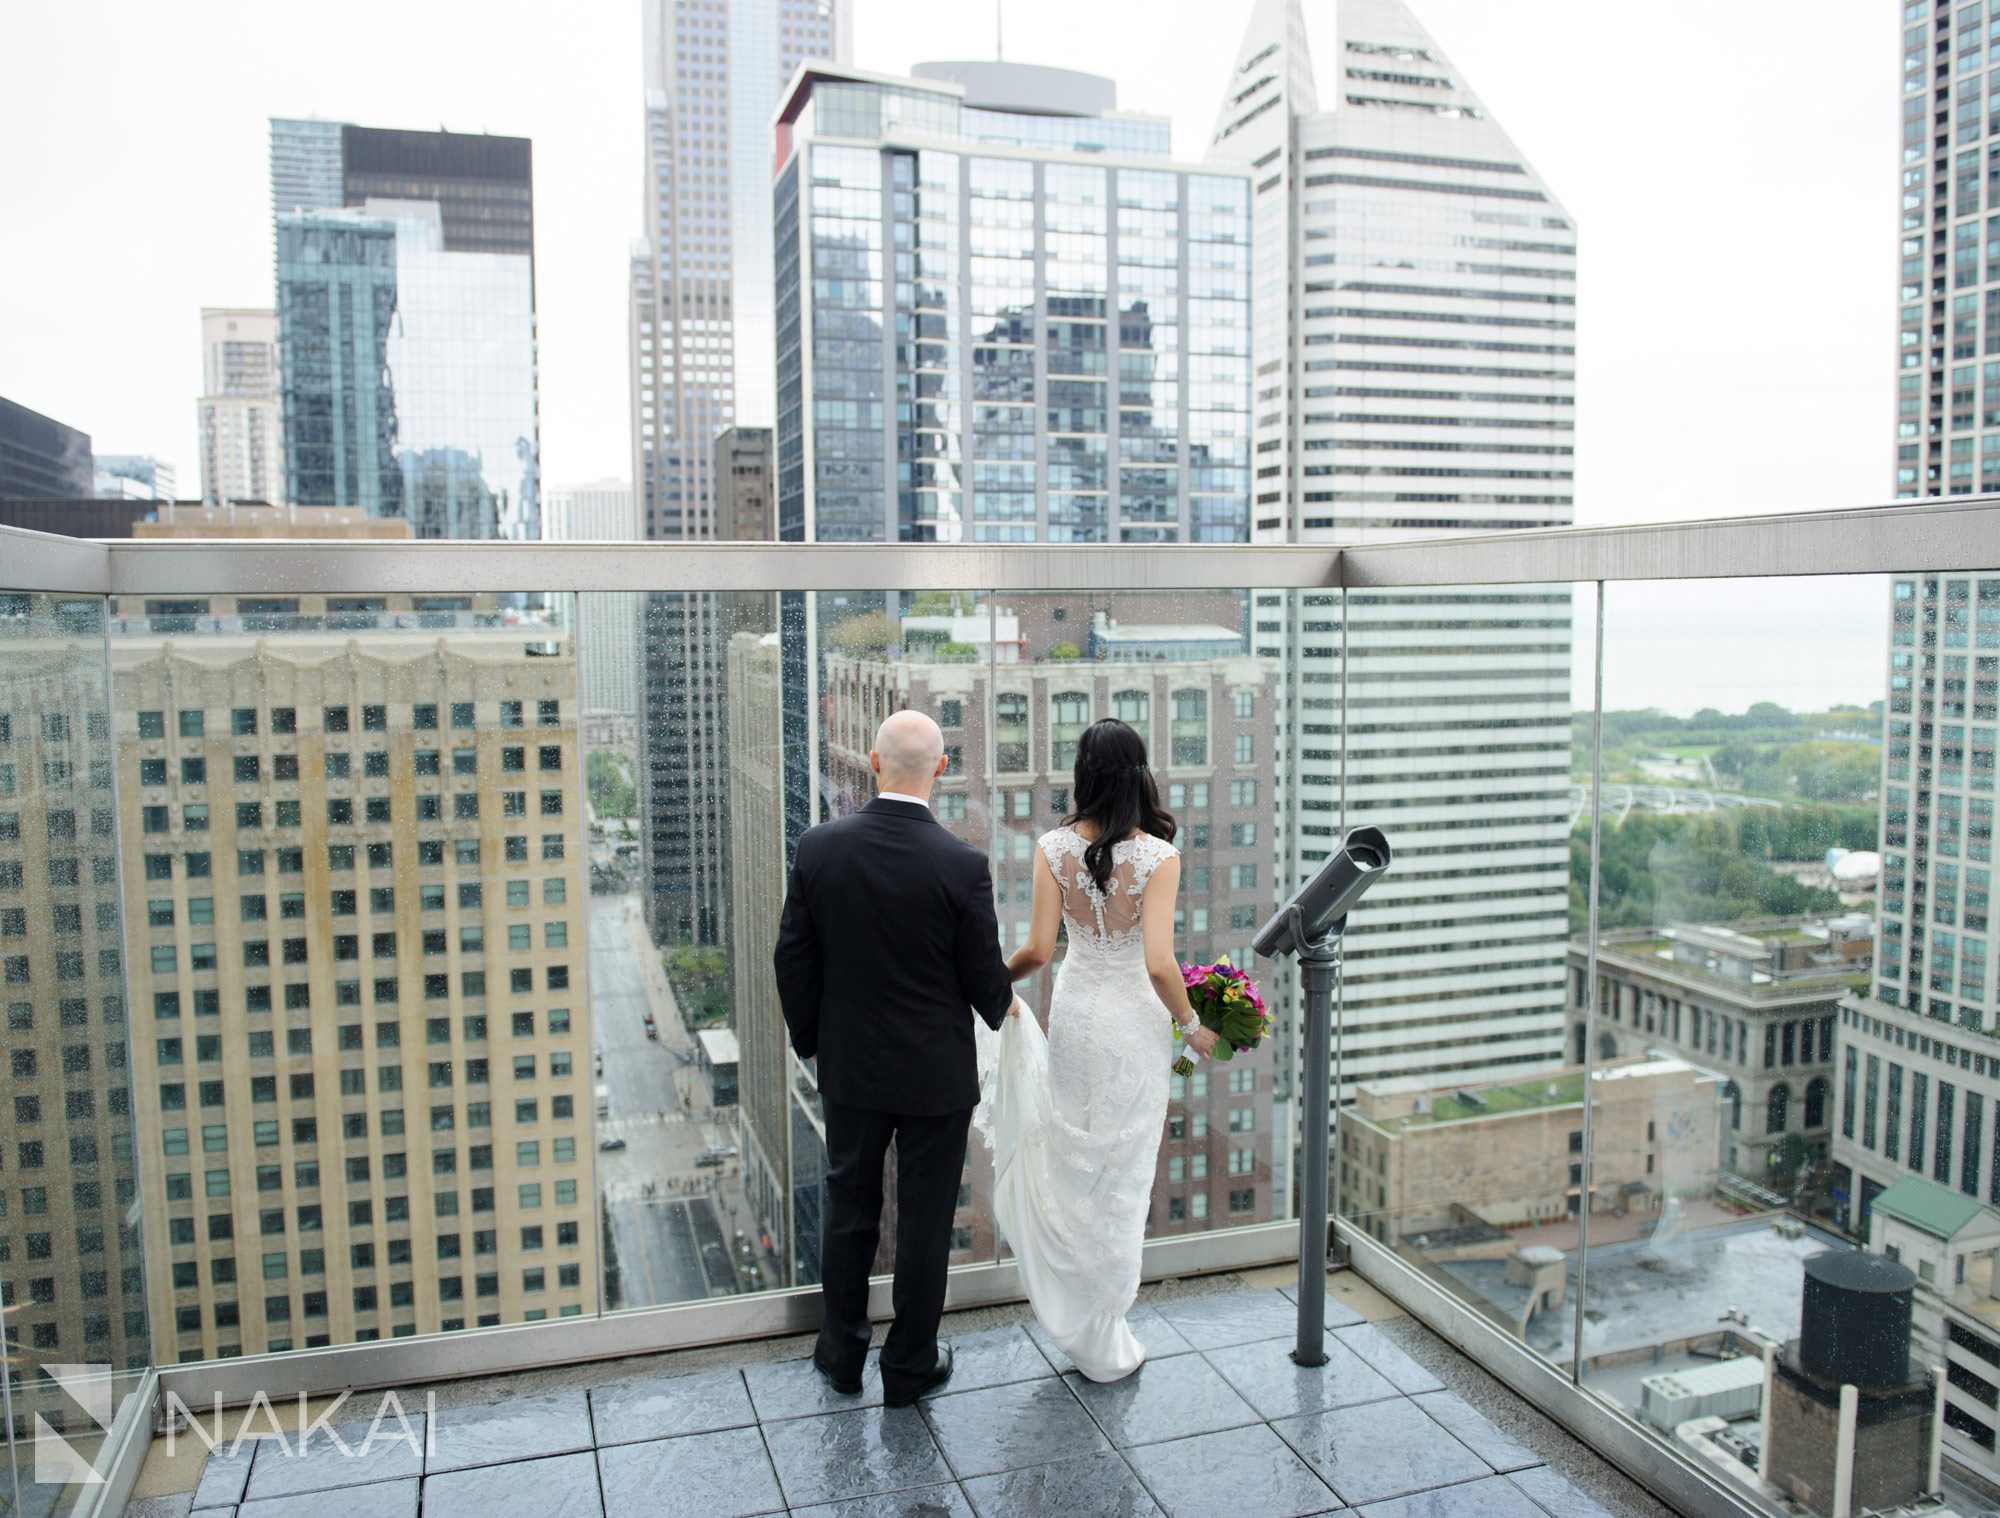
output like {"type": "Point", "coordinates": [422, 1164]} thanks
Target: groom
{"type": "Point", "coordinates": [888, 936]}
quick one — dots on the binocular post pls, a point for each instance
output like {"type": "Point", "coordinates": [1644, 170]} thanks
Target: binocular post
{"type": "Point", "coordinates": [1319, 960]}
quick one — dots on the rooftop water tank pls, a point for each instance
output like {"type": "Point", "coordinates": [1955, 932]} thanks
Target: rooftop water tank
{"type": "Point", "coordinates": [1856, 1319]}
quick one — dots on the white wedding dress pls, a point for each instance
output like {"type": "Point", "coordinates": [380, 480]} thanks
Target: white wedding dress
{"type": "Point", "coordinates": [1075, 1117]}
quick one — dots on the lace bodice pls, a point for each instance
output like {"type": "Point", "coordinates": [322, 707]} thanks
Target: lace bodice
{"type": "Point", "coordinates": [1110, 918]}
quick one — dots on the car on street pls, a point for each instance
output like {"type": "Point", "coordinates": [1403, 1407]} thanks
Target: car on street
{"type": "Point", "coordinates": [652, 1028]}
{"type": "Point", "coordinates": [715, 1154]}
{"type": "Point", "coordinates": [610, 1145]}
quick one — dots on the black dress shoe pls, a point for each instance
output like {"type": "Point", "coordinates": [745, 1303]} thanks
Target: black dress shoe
{"type": "Point", "coordinates": [940, 1373]}
{"type": "Point", "coordinates": [845, 1388]}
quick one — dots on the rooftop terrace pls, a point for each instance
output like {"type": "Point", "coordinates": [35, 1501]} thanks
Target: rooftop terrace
{"type": "Point", "coordinates": [701, 1403]}
{"type": "Point", "coordinates": [1561, 1090]}
{"type": "Point", "coordinates": [1396, 1425]}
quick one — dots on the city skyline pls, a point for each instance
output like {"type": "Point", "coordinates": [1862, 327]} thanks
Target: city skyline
{"type": "Point", "coordinates": [1651, 374]}
{"type": "Point", "coordinates": [1674, 428]}
{"type": "Point", "coordinates": [392, 959]}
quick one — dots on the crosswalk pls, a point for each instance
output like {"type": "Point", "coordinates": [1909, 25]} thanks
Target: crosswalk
{"type": "Point", "coordinates": [635, 1191]}
{"type": "Point", "coordinates": [636, 1123]}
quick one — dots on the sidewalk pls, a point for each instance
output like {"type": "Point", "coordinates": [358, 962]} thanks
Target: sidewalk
{"type": "Point", "coordinates": [659, 994]}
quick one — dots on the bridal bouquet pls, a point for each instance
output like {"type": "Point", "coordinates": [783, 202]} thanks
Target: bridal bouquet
{"type": "Point", "coordinates": [1227, 1002]}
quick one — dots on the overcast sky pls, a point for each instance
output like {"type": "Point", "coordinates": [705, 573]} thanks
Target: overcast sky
{"type": "Point", "coordinates": [1731, 166]}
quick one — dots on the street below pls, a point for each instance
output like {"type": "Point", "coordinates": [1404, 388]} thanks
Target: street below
{"type": "Point", "coordinates": [671, 1220]}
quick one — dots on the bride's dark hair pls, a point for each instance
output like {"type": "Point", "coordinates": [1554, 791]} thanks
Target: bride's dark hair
{"type": "Point", "coordinates": [1115, 793]}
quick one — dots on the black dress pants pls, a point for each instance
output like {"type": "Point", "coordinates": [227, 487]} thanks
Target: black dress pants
{"type": "Point", "coordinates": [930, 1158]}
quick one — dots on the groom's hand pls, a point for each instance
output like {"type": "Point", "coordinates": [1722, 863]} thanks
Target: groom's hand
{"type": "Point", "coordinates": [1014, 1007]}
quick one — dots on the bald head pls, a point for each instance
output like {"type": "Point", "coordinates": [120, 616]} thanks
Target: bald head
{"type": "Point", "coordinates": [908, 755]}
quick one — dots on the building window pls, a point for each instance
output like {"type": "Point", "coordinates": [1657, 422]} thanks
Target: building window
{"type": "Point", "coordinates": [1069, 715]}
{"type": "Point", "coordinates": [1777, 1108]}
{"type": "Point", "coordinates": [1816, 1102]}
{"type": "Point", "coordinates": [1190, 727]}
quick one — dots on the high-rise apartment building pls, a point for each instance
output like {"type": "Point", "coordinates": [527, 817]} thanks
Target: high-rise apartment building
{"type": "Point", "coordinates": [1080, 309]}
{"type": "Point", "coordinates": [1944, 654]}
{"type": "Point", "coordinates": [1935, 996]}
{"type": "Point", "coordinates": [1415, 374]}
{"type": "Point", "coordinates": [307, 166]}
{"type": "Point", "coordinates": [242, 425]}
{"type": "Point", "coordinates": [40, 458]}
{"type": "Point", "coordinates": [131, 477]}
{"type": "Point", "coordinates": [75, 1290]}
{"type": "Point", "coordinates": [406, 326]}
{"type": "Point", "coordinates": [608, 629]}
{"type": "Point", "coordinates": [354, 881]}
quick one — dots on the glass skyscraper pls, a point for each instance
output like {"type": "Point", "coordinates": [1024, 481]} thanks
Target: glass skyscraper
{"type": "Point", "coordinates": [1005, 315]}
{"type": "Point", "coordinates": [41, 458]}
{"type": "Point", "coordinates": [1935, 1008]}
{"type": "Point", "coordinates": [406, 316]}
{"type": "Point", "coordinates": [1936, 945]}
{"type": "Point", "coordinates": [1415, 352]}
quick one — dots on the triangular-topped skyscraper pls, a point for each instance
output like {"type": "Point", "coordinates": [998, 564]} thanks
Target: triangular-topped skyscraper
{"type": "Point", "coordinates": [1273, 77]}
{"type": "Point", "coordinates": [1404, 149]}
{"type": "Point", "coordinates": [1414, 374]}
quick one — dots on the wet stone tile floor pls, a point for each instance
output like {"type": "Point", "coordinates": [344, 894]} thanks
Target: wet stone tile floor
{"type": "Point", "coordinates": [1219, 1421]}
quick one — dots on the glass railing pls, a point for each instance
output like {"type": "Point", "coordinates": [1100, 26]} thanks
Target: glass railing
{"type": "Point", "coordinates": [387, 984]}
{"type": "Point", "coordinates": [73, 1287]}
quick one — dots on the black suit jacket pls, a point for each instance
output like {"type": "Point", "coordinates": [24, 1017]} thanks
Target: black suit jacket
{"type": "Point", "coordinates": [888, 936]}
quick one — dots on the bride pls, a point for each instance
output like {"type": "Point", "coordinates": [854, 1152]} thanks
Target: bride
{"type": "Point", "coordinates": [1075, 1118]}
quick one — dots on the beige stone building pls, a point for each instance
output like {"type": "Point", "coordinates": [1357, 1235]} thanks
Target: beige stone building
{"type": "Point", "coordinates": [756, 881]}
{"type": "Point", "coordinates": [1754, 1003]}
{"type": "Point", "coordinates": [1414, 1158]}
{"type": "Point", "coordinates": [189, 519]}
{"type": "Point", "coordinates": [745, 483]}
{"type": "Point", "coordinates": [355, 893]}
